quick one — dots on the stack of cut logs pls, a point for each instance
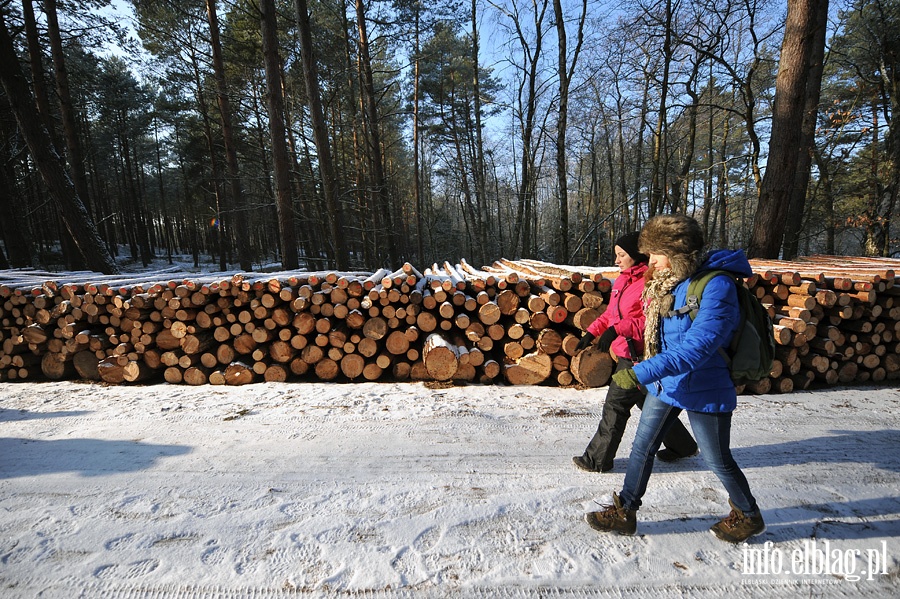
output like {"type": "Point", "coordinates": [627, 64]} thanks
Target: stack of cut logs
{"type": "Point", "coordinates": [836, 320]}
{"type": "Point", "coordinates": [517, 321]}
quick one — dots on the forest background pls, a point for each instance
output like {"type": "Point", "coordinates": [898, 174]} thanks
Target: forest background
{"type": "Point", "coordinates": [326, 134]}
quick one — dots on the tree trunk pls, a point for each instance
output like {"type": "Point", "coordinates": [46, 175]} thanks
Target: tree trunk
{"type": "Point", "coordinates": [240, 219]}
{"type": "Point", "coordinates": [68, 245]}
{"type": "Point", "coordinates": [723, 185]}
{"type": "Point", "coordinates": [827, 202]}
{"type": "Point", "coordinates": [565, 78]}
{"type": "Point", "coordinates": [320, 134]}
{"type": "Point", "coordinates": [65, 197]}
{"type": "Point", "coordinates": [379, 183]}
{"type": "Point", "coordinates": [891, 194]}
{"type": "Point", "coordinates": [168, 235]}
{"type": "Point", "coordinates": [629, 225]}
{"type": "Point", "coordinates": [710, 158]}
{"type": "Point", "coordinates": [280, 161]}
{"type": "Point", "coordinates": [787, 120]}
{"type": "Point", "coordinates": [417, 177]}
{"type": "Point", "coordinates": [35, 61]}
{"type": "Point", "coordinates": [353, 110]}
{"type": "Point", "coordinates": [682, 183]}
{"type": "Point", "coordinates": [639, 151]}
{"type": "Point", "coordinates": [658, 184]}
{"type": "Point", "coordinates": [219, 228]}
{"type": "Point", "coordinates": [562, 188]}
{"type": "Point", "coordinates": [527, 113]}
{"type": "Point", "coordinates": [478, 168]}
{"type": "Point", "coordinates": [14, 226]}
{"type": "Point", "coordinates": [807, 135]}
{"type": "Point", "coordinates": [66, 109]}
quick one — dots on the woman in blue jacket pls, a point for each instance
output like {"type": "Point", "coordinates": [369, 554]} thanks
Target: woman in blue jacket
{"type": "Point", "coordinates": [684, 370]}
{"type": "Point", "coordinates": [620, 330]}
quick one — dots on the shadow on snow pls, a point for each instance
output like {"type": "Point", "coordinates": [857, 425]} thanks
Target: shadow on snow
{"type": "Point", "coordinates": [89, 457]}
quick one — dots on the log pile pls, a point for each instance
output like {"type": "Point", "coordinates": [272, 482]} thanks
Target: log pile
{"type": "Point", "coordinates": [835, 321]}
{"type": "Point", "coordinates": [517, 321]}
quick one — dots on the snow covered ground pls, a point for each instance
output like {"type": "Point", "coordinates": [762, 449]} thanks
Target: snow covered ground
{"type": "Point", "coordinates": [387, 490]}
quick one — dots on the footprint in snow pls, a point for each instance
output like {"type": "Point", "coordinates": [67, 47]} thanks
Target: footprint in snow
{"type": "Point", "coordinates": [125, 571]}
{"type": "Point", "coordinates": [213, 554]}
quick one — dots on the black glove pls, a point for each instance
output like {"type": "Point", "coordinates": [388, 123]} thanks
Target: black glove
{"type": "Point", "coordinates": [606, 339]}
{"type": "Point", "coordinates": [585, 341]}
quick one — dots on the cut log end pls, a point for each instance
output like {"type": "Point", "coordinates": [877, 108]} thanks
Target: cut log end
{"type": "Point", "coordinates": [531, 369]}
{"type": "Point", "coordinates": [592, 367]}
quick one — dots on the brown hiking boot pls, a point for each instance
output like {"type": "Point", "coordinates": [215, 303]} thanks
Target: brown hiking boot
{"type": "Point", "coordinates": [613, 518]}
{"type": "Point", "coordinates": [737, 527]}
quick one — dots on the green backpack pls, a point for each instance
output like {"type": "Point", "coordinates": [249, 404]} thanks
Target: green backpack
{"type": "Point", "coordinates": [752, 349]}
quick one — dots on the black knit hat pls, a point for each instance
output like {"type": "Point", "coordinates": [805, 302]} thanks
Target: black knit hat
{"type": "Point", "coordinates": [629, 243]}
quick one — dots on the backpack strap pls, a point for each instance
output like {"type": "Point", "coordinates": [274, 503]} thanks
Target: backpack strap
{"type": "Point", "coordinates": [692, 301]}
{"type": "Point", "coordinates": [695, 291]}
{"type": "Point", "coordinates": [691, 305]}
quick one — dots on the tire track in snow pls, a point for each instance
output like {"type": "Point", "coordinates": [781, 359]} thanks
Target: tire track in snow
{"type": "Point", "coordinates": [181, 591]}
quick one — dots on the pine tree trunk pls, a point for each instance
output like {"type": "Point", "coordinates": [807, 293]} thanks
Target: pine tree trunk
{"type": "Point", "coordinates": [35, 61]}
{"type": "Point", "coordinates": [320, 134]}
{"type": "Point", "coordinates": [417, 176]}
{"type": "Point", "coordinates": [66, 110]}
{"type": "Point", "coordinates": [240, 219]}
{"type": "Point", "coordinates": [219, 228]}
{"type": "Point", "coordinates": [478, 168]}
{"type": "Point", "coordinates": [280, 162]}
{"type": "Point", "coordinates": [807, 133]}
{"type": "Point", "coordinates": [72, 210]}
{"type": "Point", "coordinates": [784, 144]}
{"type": "Point", "coordinates": [379, 181]}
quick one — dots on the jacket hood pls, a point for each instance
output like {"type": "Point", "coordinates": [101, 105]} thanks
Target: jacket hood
{"type": "Point", "coordinates": [731, 260]}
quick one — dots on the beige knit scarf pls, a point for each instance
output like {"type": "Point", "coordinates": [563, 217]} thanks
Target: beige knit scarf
{"type": "Point", "coordinates": [658, 301]}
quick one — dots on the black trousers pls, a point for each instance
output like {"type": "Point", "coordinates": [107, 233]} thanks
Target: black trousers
{"type": "Point", "coordinates": [614, 416]}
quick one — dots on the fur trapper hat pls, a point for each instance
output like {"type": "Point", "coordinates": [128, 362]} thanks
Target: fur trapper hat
{"type": "Point", "coordinates": [678, 237]}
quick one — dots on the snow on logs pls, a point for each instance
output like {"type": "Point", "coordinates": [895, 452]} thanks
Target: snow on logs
{"type": "Point", "coordinates": [836, 320]}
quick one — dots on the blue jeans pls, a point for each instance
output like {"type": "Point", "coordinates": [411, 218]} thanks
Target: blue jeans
{"type": "Point", "coordinates": [713, 434]}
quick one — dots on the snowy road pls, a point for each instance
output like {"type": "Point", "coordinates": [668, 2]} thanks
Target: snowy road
{"type": "Point", "coordinates": [384, 490]}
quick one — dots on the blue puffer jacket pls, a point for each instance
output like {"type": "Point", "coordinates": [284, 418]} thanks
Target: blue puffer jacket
{"type": "Point", "coordinates": [689, 372]}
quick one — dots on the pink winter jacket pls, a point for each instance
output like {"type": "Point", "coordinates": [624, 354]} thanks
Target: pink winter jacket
{"type": "Point", "coordinates": [624, 312]}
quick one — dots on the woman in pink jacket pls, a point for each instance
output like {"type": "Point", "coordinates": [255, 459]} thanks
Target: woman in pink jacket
{"type": "Point", "coordinates": [621, 330]}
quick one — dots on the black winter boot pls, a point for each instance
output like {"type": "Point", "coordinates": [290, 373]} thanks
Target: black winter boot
{"type": "Point", "coordinates": [583, 463]}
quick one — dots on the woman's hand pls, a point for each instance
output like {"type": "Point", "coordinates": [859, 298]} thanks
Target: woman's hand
{"type": "Point", "coordinates": [606, 339]}
{"type": "Point", "coordinates": [585, 341]}
{"type": "Point", "coordinates": [626, 379]}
